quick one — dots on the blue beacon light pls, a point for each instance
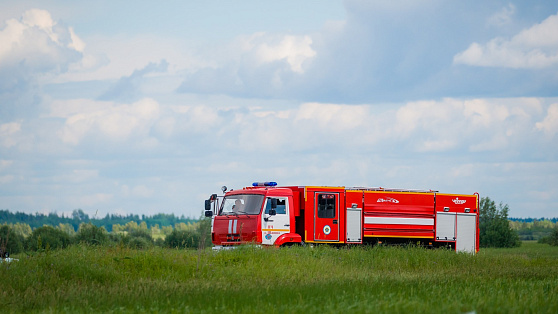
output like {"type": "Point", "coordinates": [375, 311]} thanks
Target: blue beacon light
{"type": "Point", "coordinates": [264, 184]}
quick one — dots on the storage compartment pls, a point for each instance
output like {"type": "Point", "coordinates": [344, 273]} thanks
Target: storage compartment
{"type": "Point", "coordinates": [466, 233]}
{"type": "Point", "coordinates": [354, 225]}
{"type": "Point", "coordinates": [445, 226]}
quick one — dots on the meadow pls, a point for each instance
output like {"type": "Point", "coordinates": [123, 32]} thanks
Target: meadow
{"type": "Point", "coordinates": [295, 280]}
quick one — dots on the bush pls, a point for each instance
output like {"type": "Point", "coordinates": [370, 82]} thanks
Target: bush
{"type": "Point", "coordinates": [182, 239]}
{"type": "Point", "coordinates": [495, 230]}
{"type": "Point", "coordinates": [47, 237]}
{"type": "Point", "coordinates": [138, 239]}
{"type": "Point", "coordinates": [552, 239]}
{"type": "Point", "coordinates": [10, 241]}
{"type": "Point", "coordinates": [139, 243]}
{"type": "Point", "coordinates": [200, 237]}
{"type": "Point", "coordinates": [159, 242]}
{"type": "Point", "coordinates": [141, 233]}
{"type": "Point", "coordinates": [91, 234]}
{"type": "Point", "coordinates": [116, 237]}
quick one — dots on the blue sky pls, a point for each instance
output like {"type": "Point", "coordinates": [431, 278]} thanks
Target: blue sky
{"type": "Point", "coordinates": [137, 107]}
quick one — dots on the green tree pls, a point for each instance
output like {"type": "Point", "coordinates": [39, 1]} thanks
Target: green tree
{"type": "Point", "coordinates": [183, 227]}
{"type": "Point", "coordinates": [91, 234]}
{"type": "Point", "coordinates": [131, 226]}
{"type": "Point", "coordinates": [166, 230]}
{"type": "Point", "coordinates": [143, 225]}
{"type": "Point", "coordinates": [47, 237]}
{"type": "Point", "coordinates": [69, 229]}
{"type": "Point", "coordinates": [22, 229]}
{"type": "Point", "coordinates": [495, 230]}
{"type": "Point", "coordinates": [117, 228]}
{"type": "Point", "coordinates": [10, 241]}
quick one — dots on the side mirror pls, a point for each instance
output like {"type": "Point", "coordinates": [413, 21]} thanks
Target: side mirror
{"type": "Point", "coordinates": [272, 210]}
{"type": "Point", "coordinates": [208, 211]}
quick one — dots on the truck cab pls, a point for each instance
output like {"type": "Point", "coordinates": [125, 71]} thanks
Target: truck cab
{"type": "Point", "coordinates": [261, 214]}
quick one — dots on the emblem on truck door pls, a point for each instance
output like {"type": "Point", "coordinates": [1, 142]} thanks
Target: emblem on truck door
{"type": "Point", "coordinates": [327, 229]}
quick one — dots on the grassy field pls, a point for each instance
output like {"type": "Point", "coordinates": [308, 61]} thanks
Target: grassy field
{"type": "Point", "coordinates": [309, 280]}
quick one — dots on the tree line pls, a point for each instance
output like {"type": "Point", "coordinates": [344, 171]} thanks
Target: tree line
{"type": "Point", "coordinates": [531, 220]}
{"type": "Point", "coordinates": [78, 217]}
{"type": "Point", "coordinates": [534, 230]}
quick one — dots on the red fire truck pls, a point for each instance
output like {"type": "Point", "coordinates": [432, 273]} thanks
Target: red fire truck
{"type": "Point", "coordinates": [265, 214]}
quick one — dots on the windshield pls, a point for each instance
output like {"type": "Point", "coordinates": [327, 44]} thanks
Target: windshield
{"type": "Point", "coordinates": [247, 204]}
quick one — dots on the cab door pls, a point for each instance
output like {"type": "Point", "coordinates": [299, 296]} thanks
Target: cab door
{"type": "Point", "coordinates": [274, 226]}
{"type": "Point", "coordinates": [326, 216]}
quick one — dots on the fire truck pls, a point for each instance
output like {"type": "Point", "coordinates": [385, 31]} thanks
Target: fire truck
{"type": "Point", "coordinates": [268, 215]}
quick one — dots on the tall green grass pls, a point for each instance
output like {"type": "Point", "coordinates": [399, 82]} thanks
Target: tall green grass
{"type": "Point", "coordinates": [313, 280]}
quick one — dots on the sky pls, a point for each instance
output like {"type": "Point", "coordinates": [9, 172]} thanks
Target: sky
{"type": "Point", "coordinates": [137, 107]}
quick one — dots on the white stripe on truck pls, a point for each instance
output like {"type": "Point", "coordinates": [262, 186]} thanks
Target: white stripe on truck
{"type": "Point", "coordinates": [399, 221]}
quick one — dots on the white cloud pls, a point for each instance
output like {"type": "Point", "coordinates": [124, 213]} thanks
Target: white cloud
{"type": "Point", "coordinates": [532, 48]}
{"type": "Point", "coordinates": [109, 57]}
{"type": "Point", "coordinates": [475, 125]}
{"type": "Point", "coordinates": [294, 49]}
{"type": "Point", "coordinates": [8, 133]}
{"type": "Point", "coordinates": [332, 117]}
{"type": "Point", "coordinates": [127, 88]}
{"type": "Point", "coordinates": [502, 17]}
{"type": "Point", "coordinates": [484, 113]}
{"type": "Point", "coordinates": [37, 42]}
{"type": "Point", "coordinates": [448, 125]}
{"type": "Point", "coordinates": [76, 42]}
{"type": "Point", "coordinates": [113, 121]}
{"type": "Point", "coordinates": [550, 123]}
{"type": "Point", "coordinates": [261, 64]}
{"type": "Point", "coordinates": [415, 116]}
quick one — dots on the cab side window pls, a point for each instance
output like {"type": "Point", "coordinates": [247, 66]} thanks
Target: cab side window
{"type": "Point", "coordinates": [281, 206]}
{"type": "Point", "coordinates": [326, 205]}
